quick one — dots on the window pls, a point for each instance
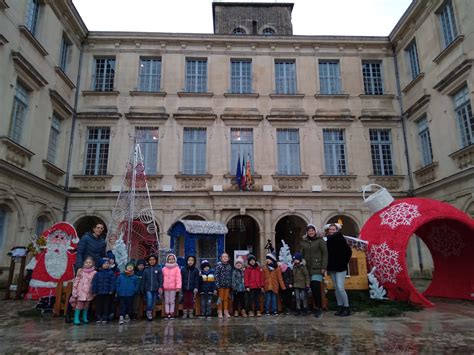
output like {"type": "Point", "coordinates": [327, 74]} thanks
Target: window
{"type": "Point", "coordinates": [32, 16]}
{"type": "Point", "coordinates": [334, 151]}
{"type": "Point", "coordinates": [64, 54]}
{"type": "Point", "coordinates": [448, 23]}
{"type": "Point", "coordinates": [372, 73]}
{"type": "Point", "coordinates": [41, 223]}
{"type": "Point", "coordinates": [196, 75]}
{"type": "Point", "coordinates": [3, 224]}
{"type": "Point", "coordinates": [53, 139]}
{"type": "Point", "coordinates": [241, 145]}
{"type": "Point", "coordinates": [20, 106]}
{"type": "Point", "coordinates": [285, 77]}
{"type": "Point", "coordinates": [288, 143]}
{"type": "Point", "coordinates": [194, 151]}
{"type": "Point", "coordinates": [149, 77]}
{"type": "Point", "coordinates": [381, 149]}
{"type": "Point", "coordinates": [268, 31]}
{"type": "Point", "coordinates": [329, 77]}
{"type": "Point", "coordinates": [241, 76]}
{"type": "Point", "coordinates": [239, 31]}
{"type": "Point", "coordinates": [148, 139]}
{"type": "Point", "coordinates": [425, 142]}
{"type": "Point", "coordinates": [412, 52]}
{"type": "Point", "coordinates": [463, 109]}
{"type": "Point", "coordinates": [97, 151]}
{"type": "Point", "coordinates": [103, 78]}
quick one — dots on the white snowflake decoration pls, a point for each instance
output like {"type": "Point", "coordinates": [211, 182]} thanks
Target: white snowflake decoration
{"type": "Point", "coordinates": [400, 214]}
{"type": "Point", "coordinates": [386, 262]}
{"type": "Point", "coordinates": [445, 240]}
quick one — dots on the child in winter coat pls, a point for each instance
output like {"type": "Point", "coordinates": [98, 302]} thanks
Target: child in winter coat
{"type": "Point", "coordinates": [238, 287]}
{"type": "Point", "coordinates": [190, 278]}
{"type": "Point", "coordinates": [223, 284]}
{"type": "Point", "coordinates": [152, 281]}
{"type": "Point", "coordinates": [272, 278]}
{"type": "Point", "coordinates": [253, 280]}
{"type": "Point", "coordinates": [127, 286]}
{"type": "Point", "coordinates": [82, 290]}
{"type": "Point", "coordinates": [138, 298]}
{"type": "Point", "coordinates": [207, 288]}
{"type": "Point", "coordinates": [301, 283]}
{"type": "Point", "coordinates": [171, 284]}
{"type": "Point", "coordinates": [286, 297]}
{"type": "Point", "coordinates": [103, 287]}
{"type": "Point", "coordinates": [113, 265]}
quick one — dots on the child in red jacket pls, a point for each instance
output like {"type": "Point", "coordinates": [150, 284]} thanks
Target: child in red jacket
{"type": "Point", "coordinates": [253, 280]}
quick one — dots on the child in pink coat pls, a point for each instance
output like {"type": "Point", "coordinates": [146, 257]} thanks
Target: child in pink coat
{"type": "Point", "coordinates": [171, 284]}
{"type": "Point", "coordinates": [82, 290]}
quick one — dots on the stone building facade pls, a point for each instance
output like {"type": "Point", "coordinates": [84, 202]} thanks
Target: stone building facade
{"type": "Point", "coordinates": [318, 117]}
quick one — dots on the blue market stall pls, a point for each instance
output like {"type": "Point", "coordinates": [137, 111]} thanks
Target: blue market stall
{"type": "Point", "coordinates": [203, 239]}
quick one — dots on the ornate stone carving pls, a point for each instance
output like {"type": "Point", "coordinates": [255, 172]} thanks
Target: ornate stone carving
{"type": "Point", "coordinates": [153, 181]}
{"type": "Point", "coordinates": [392, 182]}
{"type": "Point", "coordinates": [14, 153]}
{"type": "Point", "coordinates": [464, 157]}
{"type": "Point", "coordinates": [93, 183]}
{"type": "Point", "coordinates": [52, 173]}
{"type": "Point", "coordinates": [292, 182]}
{"type": "Point", "coordinates": [339, 183]}
{"type": "Point", "coordinates": [426, 174]}
{"type": "Point", "coordinates": [193, 182]}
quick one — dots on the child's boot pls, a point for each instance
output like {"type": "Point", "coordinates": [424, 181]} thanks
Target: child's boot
{"type": "Point", "coordinates": [259, 314]}
{"type": "Point", "coordinates": [149, 315]}
{"type": "Point", "coordinates": [76, 321]}
{"type": "Point", "coordinates": [236, 313]}
{"type": "Point", "coordinates": [250, 313]}
{"type": "Point", "coordinates": [191, 313]}
{"type": "Point", "coordinates": [185, 313]}
{"type": "Point", "coordinates": [244, 314]}
{"type": "Point", "coordinates": [226, 314]}
{"type": "Point", "coordinates": [219, 314]}
{"type": "Point", "coordinates": [121, 320]}
{"type": "Point", "coordinates": [84, 316]}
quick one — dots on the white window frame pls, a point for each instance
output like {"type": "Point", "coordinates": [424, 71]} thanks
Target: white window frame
{"type": "Point", "coordinates": [288, 151]}
{"type": "Point", "coordinates": [196, 75]}
{"type": "Point", "coordinates": [241, 145]}
{"type": "Point", "coordinates": [32, 16]}
{"type": "Point", "coordinates": [285, 76]}
{"type": "Point", "coordinates": [148, 138]}
{"type": "Point", "coordinates": [465, 119]}
{"type": "Point", "coordinates": [381, 151]}
{"type": "Point", "coordinates": [194, 150]}
{"type": "Point", "coordinates": [335, 157]}
{"type": "Point", "coordinates": [19, 113]}
{"type": "Point", "coordinates": [424, 139]}
{"type": "Point", "coordinates": [329, 77]}
{"type": "Point", "coordinates": [103, 78]}
{"type": "Point", "coordinates": [64, 53]}
{"type": "Point", "coordinates": [412, 54]}
{"type": "Point", "coordinates": [241, 76]}
{"type": "Point", "coordinates": [96, 162]}
{"type": "Point", "coordinates": [373, 84]}
{"type": "Point", "coordinates": [149, 74]}
{"type": "Point", "coordinates": [447, 22]}
{"type": "Point", "coordinates": [53, 143]}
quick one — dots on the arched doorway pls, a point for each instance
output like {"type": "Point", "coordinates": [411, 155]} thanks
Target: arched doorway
{"type": "Point", "coordinates": [243, 234]}
{"type": "Point", "coordinates": [193, 217]}
{"type": "Point", "coordinates": [85, 224]}
{"type": "Point", "coordinates": [291, 229]}
{"type": "Point", "coordinates": [349, 226]}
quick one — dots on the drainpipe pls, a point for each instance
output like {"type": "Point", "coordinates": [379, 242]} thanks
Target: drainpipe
{"type": "Point", "coordinates": [71, 137]}
{"type": "Point", "coordinates": [404, 130]}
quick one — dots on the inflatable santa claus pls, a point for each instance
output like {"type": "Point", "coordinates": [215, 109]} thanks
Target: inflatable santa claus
{"type": "Point", "coordinates": [55, 263]}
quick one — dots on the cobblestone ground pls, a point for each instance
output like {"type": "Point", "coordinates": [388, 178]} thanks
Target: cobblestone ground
{"type": "Point", "coordinates": [447, 328]}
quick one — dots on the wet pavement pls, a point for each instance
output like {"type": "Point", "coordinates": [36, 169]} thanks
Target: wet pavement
{"type": "Point", "coordinates": [447, 328]}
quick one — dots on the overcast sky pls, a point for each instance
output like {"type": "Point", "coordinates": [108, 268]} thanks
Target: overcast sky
{"type": "Point", "coordinates": [310, 17]}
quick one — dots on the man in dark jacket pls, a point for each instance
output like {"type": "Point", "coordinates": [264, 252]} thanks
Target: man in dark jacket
{"type": "Point", "coordinates": [190, 284]}
{"type": "Point", "coordinates": [91, 244]}
{"type": "Point", "coordinates": [315, 254]}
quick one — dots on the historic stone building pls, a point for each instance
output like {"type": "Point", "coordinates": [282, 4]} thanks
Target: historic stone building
{"type": "Point", "coordinates": [318, 117]}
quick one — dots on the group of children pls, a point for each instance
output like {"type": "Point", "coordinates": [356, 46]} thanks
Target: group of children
{"type": "Point", "coordinates": [146, 281]}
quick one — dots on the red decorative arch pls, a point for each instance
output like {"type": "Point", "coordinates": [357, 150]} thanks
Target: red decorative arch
{"type": "Point", "coordinates": [448, 234]}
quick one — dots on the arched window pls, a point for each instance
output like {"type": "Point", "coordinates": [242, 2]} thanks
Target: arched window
{"type": "Point", "coordinates": [239, 31]}
{"type": "Point", "coordinates": [3, 224]}
{"type": "Point", "coordinates": [267, 31]}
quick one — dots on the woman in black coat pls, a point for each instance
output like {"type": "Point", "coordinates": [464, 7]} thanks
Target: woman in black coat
{"type": "Point", "coordinates": [339, 254]}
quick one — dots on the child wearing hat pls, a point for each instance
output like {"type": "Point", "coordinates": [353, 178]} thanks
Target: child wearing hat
{"type": "Point", "coordinates": [254, 283]}
{"type": "Point", "coordinates": [152, 281]}
{"type": "Point", "coordinates": [223, 284]}
{"type": "Point", "coordinates": [301, 283]}
{"type": "Point", "coordinates": [286, 295]}
{"type": "Point", "coordinates": [207, 288]}
{"type": "Point", "coordinates": [138, 298]}
{"type": "Point", "coordinates": [171, 284]}
{"type": "Point", "coordinates": [238, 287]}
{"type": "Point", "coordinates": [126, 285]}
{"type": "Point", "coordinates": [273, 280]}
{"type": "Point", "coordinates": [103, 286]}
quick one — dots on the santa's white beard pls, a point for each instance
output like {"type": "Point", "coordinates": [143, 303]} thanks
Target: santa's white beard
{"type": "Point", "coordinates": [56, 262]}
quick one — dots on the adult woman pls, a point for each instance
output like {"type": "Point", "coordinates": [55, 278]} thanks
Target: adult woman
{"type": "Point", "coordinates": [314, 250]}
{"type": "Point", "coordinates": [91, 244]}
{"type": "Point", "coordinates": [339, 254]}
